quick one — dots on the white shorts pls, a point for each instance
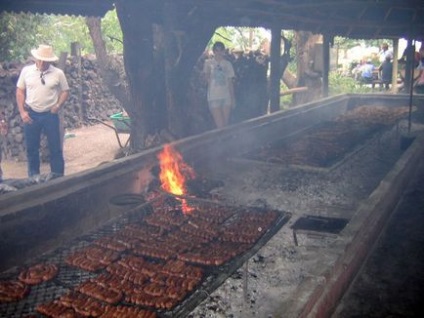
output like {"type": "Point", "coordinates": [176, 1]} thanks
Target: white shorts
{"type": "Point", "coordinates": [224, 102]}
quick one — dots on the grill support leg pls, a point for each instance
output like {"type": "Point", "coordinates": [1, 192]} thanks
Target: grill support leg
{"type": "Point", "coordinates": [245, 283]}
{"type": "Point", "coordinates": [295, 238]}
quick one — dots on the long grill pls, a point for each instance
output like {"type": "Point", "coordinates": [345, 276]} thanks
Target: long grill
{"type": "Point", "coordinates": [69, 278]}
{"type": "Point", "coordinates": [325, 146]}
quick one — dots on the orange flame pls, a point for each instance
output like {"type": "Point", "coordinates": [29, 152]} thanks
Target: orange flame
{"type": "Point", "coordinates": [174, 172]}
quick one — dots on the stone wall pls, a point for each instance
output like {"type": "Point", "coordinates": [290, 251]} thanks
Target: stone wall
{"type": "Point", "coordinates": [88, 98]}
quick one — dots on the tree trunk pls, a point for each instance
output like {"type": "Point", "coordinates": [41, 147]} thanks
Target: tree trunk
{"type": "Point", "coordinates": [289, 79]}
{"type": "Point", "coordinates": [173, 39]}
{"type": "Point", "coordinates": [158, 61]}
{"type": "Point", "coordinates": [110, 74]}
{"type": "Point", "coordinates": [185, 41]}
{"type": "Point", "coordinates": [136, 24]}
{"type": "Point", "coordinates": [306, 76]}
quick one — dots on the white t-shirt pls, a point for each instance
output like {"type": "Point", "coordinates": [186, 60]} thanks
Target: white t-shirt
{"type": "Point", "coordinates": [384, 54]}
{"type": "Point", "coordinates": [221, 73]}
{"type": "Point", "coordinates": [41, 98]}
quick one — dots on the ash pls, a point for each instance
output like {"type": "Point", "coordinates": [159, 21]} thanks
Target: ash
{"type": "Point", "coordinates": [268, 282]}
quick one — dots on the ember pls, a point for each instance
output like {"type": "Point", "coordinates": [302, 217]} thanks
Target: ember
{"type": "Point", "coordinates": [174, 173]}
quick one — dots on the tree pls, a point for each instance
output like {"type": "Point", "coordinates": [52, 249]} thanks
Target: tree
{"type": "Point", "coordinates": [112, 33]}
{"type": "Point", "coordinates": [158, 59]}
{"type": "Point", "coordinates": [305, 74]}
{"type": "Point", "coordinates": [19, 34]}
{"type": "Point", "coordinates": [238, 37]}
{"type": "Point", "coordinates": [346, 43]}
{"type": "Point", "coordinates": [109, 69]}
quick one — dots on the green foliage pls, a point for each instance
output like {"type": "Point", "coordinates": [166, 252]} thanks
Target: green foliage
{"type": "Point", "coordinates": [224, 35]}
{"type": "Point", "coordinates": [19, 34]}
{"type": "Point", "coordinates": [346, 43]}
{"type": "Point", "coordinates": [339, 84]}
{"type": "Point", "coordinates": [286, 101]}
{"type": "Point", "coordinates": [112, 33]}
{"type": "Point", "coordinates": [22, 32]}
{"type": "Point", "coordinates": [61, 31]}
{"type": "Point", "coordinates": [238, 37]}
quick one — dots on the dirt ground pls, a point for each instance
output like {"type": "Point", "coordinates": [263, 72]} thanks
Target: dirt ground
{"type": "Point", "coordinates": [84, 148]}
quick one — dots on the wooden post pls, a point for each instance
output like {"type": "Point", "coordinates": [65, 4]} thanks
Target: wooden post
{"type": "Point", "coordinates": [76, 53]}
{"type": "Point", "coordinates": [275, 68]}
{"type": "Point", "coordinates": [326, 63]}
{"type": "Point", "coordinates": [171, 61]}
{"type": "Point", "coordinates": [62, 60]}
{"type": "Point", "coordinates": [62, 65]}
{"type": "Point", "coordinates": [409, 68]}
{"type": "Point", "coordinates": [411, 61]}
{"type": "Point", "coordinates": [395, 65]}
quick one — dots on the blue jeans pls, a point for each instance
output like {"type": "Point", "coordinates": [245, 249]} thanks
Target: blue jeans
{"type": "Point", "coordinates": [49, 124]}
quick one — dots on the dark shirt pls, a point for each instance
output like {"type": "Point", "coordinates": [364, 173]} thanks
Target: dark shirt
{"type": "Point", "coordinates": [386, 69]}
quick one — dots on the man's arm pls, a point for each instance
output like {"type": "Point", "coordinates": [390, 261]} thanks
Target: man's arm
{"type": "Point", "coordinates": [63, 96]}
{"type": "Point", "coordinates": [20, 100]}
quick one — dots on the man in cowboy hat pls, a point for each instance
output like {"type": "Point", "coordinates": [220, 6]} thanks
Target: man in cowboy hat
{"type": "Point", "coordinates": [42, 89]}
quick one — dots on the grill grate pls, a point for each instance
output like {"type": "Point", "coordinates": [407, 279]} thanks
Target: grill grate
{"type": "Point", "coordinates": [69, 277]}
{"type": "Point", "coordinates": [39, 294]}
{"type": "Point", "coordinates": [218, 275]}
{"type": "Point", "coordinates": [327, 145]}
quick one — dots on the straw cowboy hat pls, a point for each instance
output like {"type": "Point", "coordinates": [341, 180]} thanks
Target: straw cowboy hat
{"type": "Point", "coordinates": [44, 53]}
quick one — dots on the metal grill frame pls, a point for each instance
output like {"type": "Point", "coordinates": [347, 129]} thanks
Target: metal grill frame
{"type": "Point", "coordinates": [69, 277]}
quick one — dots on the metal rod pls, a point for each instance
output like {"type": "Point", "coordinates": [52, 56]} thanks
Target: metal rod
{"type": "Point", "coordinates": [245, 283]}
{"type": "Point", "coordinates": [411, 86]}
{"type": "Point", "coordinates": [295, 238]}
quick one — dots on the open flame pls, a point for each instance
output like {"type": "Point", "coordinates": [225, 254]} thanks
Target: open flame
{"type": "Point", "coordinates": [173, 174]}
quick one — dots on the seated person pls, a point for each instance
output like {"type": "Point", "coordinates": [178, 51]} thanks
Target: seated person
{"type": "Point", "coordinates": [367, 72]}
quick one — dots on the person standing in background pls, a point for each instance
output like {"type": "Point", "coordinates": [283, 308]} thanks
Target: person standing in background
{"type": "Point", "coordinates": [385, 52]}
{"type": "Point", "coordinates": [42, 89]}
{"type": "Point", "coordinates": [219, 74]}
{"type": "Point", "coordinates": [386, 71]}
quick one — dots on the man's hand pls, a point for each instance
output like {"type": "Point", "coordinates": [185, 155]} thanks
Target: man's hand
{"type": "Point", "coordinates": [3, 126]}
{"type": "Point", "coordinates": [55, 109]}
{"type": "Point", "coordinates": [25, 117]}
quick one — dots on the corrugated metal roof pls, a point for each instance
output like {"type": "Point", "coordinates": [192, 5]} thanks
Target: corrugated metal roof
{"type": "Point", "coordinates": [64, 7]}
{"type": "Point", "coordinates": [349, 18]}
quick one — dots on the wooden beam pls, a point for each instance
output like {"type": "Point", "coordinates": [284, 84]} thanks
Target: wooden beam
{"type": "Point", "coordinates": [326, 69]}
{"type": "Point", "coordinates": [294, 90]}
{"type": "Point", "coordinates": [395, 65]}
{"type": "Point", "coordinates": [275, 67]}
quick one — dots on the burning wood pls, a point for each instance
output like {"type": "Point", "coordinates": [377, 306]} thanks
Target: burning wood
{"type": "Point", "coordinates": [173, 174]}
